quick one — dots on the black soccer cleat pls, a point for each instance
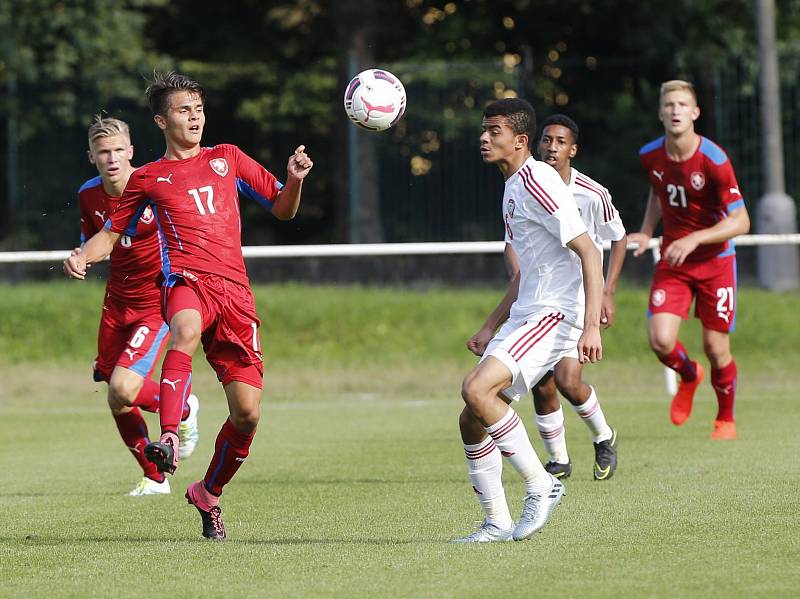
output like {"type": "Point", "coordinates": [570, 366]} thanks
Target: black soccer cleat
{"type": "Point", "coordinates": [605, 457]}
{"type": "Point", "coordinates": [213, 526]}
{"type": "Point", "coordinates": [558, 469]}
{"type": "Point", "coordinates": [162, 453]}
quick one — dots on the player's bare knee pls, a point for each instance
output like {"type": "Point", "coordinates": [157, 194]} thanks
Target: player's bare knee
{"type": "Point", "coordinates": [185, 337]}
{"type": "Point", "coordinates": [662, 346]}
{"type": "Point", "coordinates": [246, 420]}
{"type": "Point", "coordinates": [719, 357]}
{"type": "Point", "coordinates": [123, 390]}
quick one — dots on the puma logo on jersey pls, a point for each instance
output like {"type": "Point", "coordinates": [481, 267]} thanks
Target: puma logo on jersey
{"type": "Point", "coordinates": [171, 383]}
{"type": "Point", "coordinates": [101, 215]}
{"type": "Point", "coordinates": [131, 353]}
{"type": "Point", "coordinates": [168, 179]}
{"type": "Point", "coordinates": [734, 191]}
{"type": "Point", "coordinates": [658, 175]}
{"type": "Point", "coordinates": [724, 316]}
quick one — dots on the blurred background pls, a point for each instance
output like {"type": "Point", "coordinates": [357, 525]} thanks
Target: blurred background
{"type": "Point", "coordinates": [275, 73]}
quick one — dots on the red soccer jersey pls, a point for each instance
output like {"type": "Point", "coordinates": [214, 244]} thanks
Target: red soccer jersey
{"type": "Point", "coordinates": [694, 194]}
{"type": "Point", "coordinates": [196, 207]}
{"type": "Point", "coordinates": [135, 261]}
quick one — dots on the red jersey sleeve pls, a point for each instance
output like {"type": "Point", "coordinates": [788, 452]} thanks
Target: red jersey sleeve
{"type": "Point", "coordinates": [253, 180]}
{"type": "Point", "coordinates": [724, 181]}
{"type": "Point", "coordinates": [87, 224]}
{"type": "Point", "coordinates": [127, 211]}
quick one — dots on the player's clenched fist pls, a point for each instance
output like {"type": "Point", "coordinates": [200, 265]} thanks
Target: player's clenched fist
{"type": "Point", "coordinates": [299, 163]}
{"type": "Point", "coordinates": [75, 265]}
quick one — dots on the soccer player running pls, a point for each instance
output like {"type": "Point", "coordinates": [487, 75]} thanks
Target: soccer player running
{"type": "Point", "coordinates": [546, 319]}
{"type": "Point", "coordinates": [693, 189]}
{"type": "Point", "coordinates": [557, 146]}
{"type": "Point", "coordinates": [132, 333]}
{"type": "Point", "coordinates": [206, 296]}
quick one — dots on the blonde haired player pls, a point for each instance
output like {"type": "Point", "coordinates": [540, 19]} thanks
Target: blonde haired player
{"type": "Point", "coordinates": [693, 189]}
{"type": "Point", "coordinates": [546, 319]}
{"type": "Point", "coordinates": [132, 333]}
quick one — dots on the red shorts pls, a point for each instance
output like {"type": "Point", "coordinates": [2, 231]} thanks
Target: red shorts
{"type": "Point", "coordinates": [712, 282]}
{"type": "Point", "coordinates": [129, 336]}
{"type": "Point", "coordinates": [230, 324]}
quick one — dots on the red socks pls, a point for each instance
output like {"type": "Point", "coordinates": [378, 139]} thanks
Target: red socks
{"type": "Point", "coordinates": [679, 361]}
{"type": "Point", "coordinates": [148, 396]}
{"type": "Point", "coordinates": [724, 382]}
{"type": "Point", "coordinates": [133, 430]}
{"type": "Point", "coordinates": [230, 451]}
{"type": "Point", "coordinates": [176, 384]}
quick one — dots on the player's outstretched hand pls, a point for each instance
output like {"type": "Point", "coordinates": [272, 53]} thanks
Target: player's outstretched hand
{"type": "Point", "coordinates": [678, 250]}
{"type": "Point", "coordinates": [299, 163]}
{"type": "Point", "coordinates": [478, 342]}
{"type": "Point", "coordinates": [75, 266]}
{"type": "Point", "coordinates": [641, 239]}
{"type": "Point", "coordinates": [590, 346]}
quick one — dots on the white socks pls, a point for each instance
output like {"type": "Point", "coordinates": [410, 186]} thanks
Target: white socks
{"type": "Point", "coordinates": [512, 440]}
{"type": "Point", "coordinates": [551, 430]}
{"type": "Point", "coordinates": [592, 414]}
{"type": "Point", "coordinates": [485, 470]}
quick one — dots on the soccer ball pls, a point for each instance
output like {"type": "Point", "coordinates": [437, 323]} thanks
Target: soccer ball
{"type": "Point", "coordinates": [375, 99]}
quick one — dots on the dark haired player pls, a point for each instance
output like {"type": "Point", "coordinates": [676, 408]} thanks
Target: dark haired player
{"type": "Point", "coordinates": [557, 146]}
{"type": "Point", "coordinates": [546, 319]}
{"type": "Point", "coordinates": [206, 297]}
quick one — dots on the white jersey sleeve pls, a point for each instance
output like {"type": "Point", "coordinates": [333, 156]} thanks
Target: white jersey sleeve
{"type": "Point", "coordinates": [551, 203]}
{"type": "Point", "coordinates": [611, 229]}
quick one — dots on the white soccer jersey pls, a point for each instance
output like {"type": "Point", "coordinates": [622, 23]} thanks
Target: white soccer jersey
{"type": "Point", "coordinates": [597, 211]}
{"type": "Point", "coordinates": [540, 217]}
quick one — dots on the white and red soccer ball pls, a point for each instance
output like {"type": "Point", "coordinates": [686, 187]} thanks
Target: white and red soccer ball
{"type": "Point", "coordinates": [375, 99]}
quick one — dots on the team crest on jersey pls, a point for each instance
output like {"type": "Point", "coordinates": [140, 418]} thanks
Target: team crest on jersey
{"type": "Point", "coordinates": [147, 216]}
{"type": "Point", "coordinates": [659, 297]}
{"type": "Point", "coordinates": [220, 166]}
{"type": "Point", "coordinates": [698, 180]}
{"type": "Point", "coordinates": [510, 208]}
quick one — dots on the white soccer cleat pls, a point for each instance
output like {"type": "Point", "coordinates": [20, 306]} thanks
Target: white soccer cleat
{"type": "Point", "coordinates": [537, 510]}
{"type": "Point", "coordinates": [487, 533]}
{"type": "Point", "coordinates": [187, 431]}
{"type": "Point", "coordinates": [147, 486]}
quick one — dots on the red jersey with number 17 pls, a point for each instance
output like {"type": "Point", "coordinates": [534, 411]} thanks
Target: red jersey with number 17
{"type": "Point", "coordinates": [694, 194]}
{"type": "Point", "coordinates": [135, 264]}
{"type": "Point", "coordinates": [196, 206]}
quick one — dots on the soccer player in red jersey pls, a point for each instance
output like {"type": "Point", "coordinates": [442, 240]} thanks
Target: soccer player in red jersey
{"type": "Point", "coordinates": [693, 189]}
{"type": "Point", "coordinates": [132, 333]}
{"type": "Point", "coordinates": [194, 194]}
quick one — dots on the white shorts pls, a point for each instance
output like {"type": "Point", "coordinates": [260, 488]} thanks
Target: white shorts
{"type": "Point", "coordinates": [531, 347]}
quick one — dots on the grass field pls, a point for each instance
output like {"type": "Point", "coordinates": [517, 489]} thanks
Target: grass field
{"type": "Point", "coordinates": [356, 481]}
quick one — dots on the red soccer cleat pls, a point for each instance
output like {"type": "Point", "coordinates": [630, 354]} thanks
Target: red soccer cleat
{"type": "Point", "coordinates": [682, 402]}
{"type": "Point", "coordinates": [724, 430]}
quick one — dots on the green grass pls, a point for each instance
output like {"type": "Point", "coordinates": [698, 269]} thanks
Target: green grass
{"type": "Point", "coordinates": [356, 481]}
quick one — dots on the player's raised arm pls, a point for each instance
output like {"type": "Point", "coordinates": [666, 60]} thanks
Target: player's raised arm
{"type": "Point", "coordinates": [288, 199]}
{"type": "Point", "coordinates": [96, 249]}
{"type": "Point", "coordinates": [590, 347]}
{"type": "Point", "coordinates": [651, 217]}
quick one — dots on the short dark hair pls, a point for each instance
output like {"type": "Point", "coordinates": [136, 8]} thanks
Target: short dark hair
{"type": "Point", "coordinates": [165, 84]}
{"type": "Point", "coordinates": [520, 114]}
{"type": "Point", "coordinates": [564, 121]}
